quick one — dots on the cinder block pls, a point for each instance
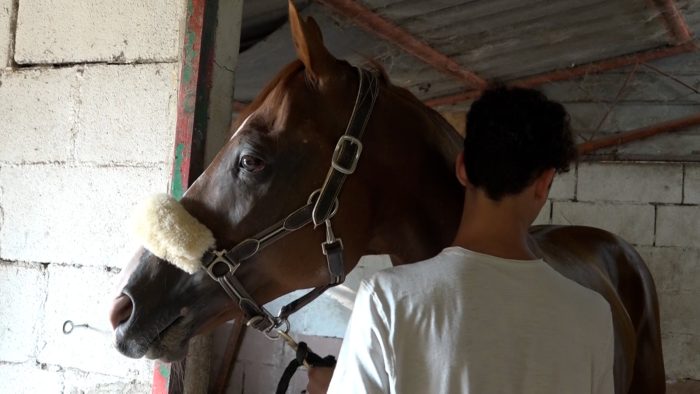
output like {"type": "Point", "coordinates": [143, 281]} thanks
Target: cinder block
{"type": "Point", "coordinates": [680, 312]}
{"type": "Point", "coordinates": [127, 113]}
{"type": "Point", "coordinates": [66, 31]}
{"type": "Point", "coordinates": [37, 121]}
{"type": "Point", "coordinates": [680, 318]}
{"type": "Point", "coordinates": [673, 268]}
{"type": "Point", "coordinates": [681, 358]}
{"type": "Point", "coordinates": [564, 186]}
{"type": "Point", "coordinates": [678, 226]}
{"type": "Point", "coordinates": [634, 223]}
{"type": "Point", "coordinates": [23, 291]}
{"type": "Point", "coordinates": [84, 295]}
{"type": "Point", "coordinates": [79, 382]}
{"type": "Point", "coordinates": [544, 215]}
{"type": "Point", "coordinates": [29, 378]}
{"type": "Point", "coordinates": [692, 184]}
{"type": "Point", "coordinates": [72, 214]}
{"type": "Point", "coordinates": [5, 32]}
{"type": "Point", "coordinates": [630, 182]}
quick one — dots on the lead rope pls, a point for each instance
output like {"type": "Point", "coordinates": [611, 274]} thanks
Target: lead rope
{"type": "Point", "coordinates": [304, 357]}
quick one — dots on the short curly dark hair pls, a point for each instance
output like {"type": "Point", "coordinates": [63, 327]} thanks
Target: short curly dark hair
{"type": "Point", "coordinates": [513, 135]}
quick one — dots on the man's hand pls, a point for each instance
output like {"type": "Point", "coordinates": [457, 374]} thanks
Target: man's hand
{"type": "Point", "coordinates": [319, 379]}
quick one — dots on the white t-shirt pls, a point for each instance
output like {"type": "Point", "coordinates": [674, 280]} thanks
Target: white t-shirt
{"type": "Point", "coordinates": [465, 322]}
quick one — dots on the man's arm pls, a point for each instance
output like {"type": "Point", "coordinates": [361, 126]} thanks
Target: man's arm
{"type": "Point", "coordinates": [319, 379]}
{"type": "Point", "coordinates": [362, 364]}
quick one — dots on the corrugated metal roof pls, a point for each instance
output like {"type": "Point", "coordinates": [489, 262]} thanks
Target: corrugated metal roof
{"type": "Point", "coordinates": [496, 39]}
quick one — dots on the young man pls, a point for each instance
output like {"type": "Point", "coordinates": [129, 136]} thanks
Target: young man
{"type": "Point", "coordinates": [486, 315]}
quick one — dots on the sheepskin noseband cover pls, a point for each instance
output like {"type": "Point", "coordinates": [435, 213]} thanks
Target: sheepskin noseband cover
{"type": "Point", "coordinates": [168, 231]}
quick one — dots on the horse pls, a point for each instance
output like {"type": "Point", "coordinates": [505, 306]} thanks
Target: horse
{"type": "Point", "coordinates": [400, 198]}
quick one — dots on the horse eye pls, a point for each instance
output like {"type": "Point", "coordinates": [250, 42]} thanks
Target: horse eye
{"type": "Point", "coordinates": [251, 163]}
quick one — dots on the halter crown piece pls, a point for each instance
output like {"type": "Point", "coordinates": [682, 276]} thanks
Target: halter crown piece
{"type": "Point", "coordinates": [168, 231]}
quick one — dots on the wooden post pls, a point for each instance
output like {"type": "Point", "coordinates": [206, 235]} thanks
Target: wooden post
{"type": "Point", "coordinates": [205, 95]}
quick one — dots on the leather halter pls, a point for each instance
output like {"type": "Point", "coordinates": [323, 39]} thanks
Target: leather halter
{"type": "Point", "coordinates": [320, 208]}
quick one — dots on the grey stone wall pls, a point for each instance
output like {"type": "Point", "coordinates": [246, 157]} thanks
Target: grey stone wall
{"type": "Point", "coordinates": [88, 98]}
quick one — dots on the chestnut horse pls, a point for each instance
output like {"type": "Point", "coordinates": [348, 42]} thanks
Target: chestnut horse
{"type": "Point", "coordinates": [402, 200]}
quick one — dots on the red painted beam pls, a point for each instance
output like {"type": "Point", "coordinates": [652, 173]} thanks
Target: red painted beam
{"type": "Point", "coordinates": [187, 97]}
{"type": "Point", "coordinates": [574, 72]}
{"type": "Point", "coordinates": [639, 134]}
{"type": "Point", "coordinates": [184, 132]}
{"type": "Point", "coordinates": [675, 23]}
{"type": "Point", "coordinates": [375, 24]}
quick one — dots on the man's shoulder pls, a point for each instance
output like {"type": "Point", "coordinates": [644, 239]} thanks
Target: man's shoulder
{"type": "Point", "coordinates": [590, 306]}
{"type": "Point", "coordinates": [420, 271]}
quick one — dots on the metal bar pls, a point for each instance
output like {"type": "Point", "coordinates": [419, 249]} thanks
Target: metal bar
{"type": "Point", "coordinates": [674, 21]}
{"type": "Point", "coordinates": [375, 24]}
{"type": "Point", "coordinates": [574, 72]}
{"type": "Point", "coordinates": [230, 355]}
{"type": "Point", "coordinates": [638, 134]}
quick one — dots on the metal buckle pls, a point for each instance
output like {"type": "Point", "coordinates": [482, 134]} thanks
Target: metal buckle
{"type": "Point", "coordinates": [347, 170]}
{"type": "Point", "coordinates": [332, 246]}
{"type": "Point", "coordinates": [220, 259]}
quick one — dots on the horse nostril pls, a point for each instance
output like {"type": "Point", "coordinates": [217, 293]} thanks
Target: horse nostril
{"type": "Point", "coordinates": [121, 310]}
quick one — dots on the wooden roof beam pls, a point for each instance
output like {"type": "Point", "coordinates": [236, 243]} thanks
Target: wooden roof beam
{"type": "Point", "coordinates": [638, 134]}
{"type": "Point", "coordinates": [675, 23]}
{"type": "Point", "coordinates": [377, 25]}
{"type": "Point", "coordinates": [573, 72]}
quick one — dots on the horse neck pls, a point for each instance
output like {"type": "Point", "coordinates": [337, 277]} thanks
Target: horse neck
{"type": "Point", "coordinates": [418, 201]}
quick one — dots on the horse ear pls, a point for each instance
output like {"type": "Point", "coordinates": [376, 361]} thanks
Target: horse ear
{"type": "Point", "coordinates": [308, 42]}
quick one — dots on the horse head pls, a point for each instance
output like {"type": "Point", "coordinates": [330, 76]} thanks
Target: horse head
{"type": "Point", "coordinates": [279, 153]}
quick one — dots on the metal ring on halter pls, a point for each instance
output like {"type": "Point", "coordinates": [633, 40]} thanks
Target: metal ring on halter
{"type": "Point", "coordinates": [275, 332]}
{"type": "Point", "coordinates": [318, 192]}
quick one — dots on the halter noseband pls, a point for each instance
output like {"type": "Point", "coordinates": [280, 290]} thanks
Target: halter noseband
{"type": "Point", "coordinates": [320, 208]}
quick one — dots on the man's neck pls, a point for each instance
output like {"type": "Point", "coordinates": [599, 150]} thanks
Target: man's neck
{"type": "Point", "coordinates": [493, 228]}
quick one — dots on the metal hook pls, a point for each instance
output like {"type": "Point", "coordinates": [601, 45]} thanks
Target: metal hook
{"type": "Point", "coordinates": [68, 326]}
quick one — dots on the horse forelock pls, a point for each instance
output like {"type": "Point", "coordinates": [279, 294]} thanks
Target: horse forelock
{"type": "Point", "coordinates": [273, 88]}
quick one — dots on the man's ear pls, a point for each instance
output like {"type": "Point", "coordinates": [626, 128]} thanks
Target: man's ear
{"type": "Point", "coordinates": [461, 170]}
{"type": "Point", "coordinates": [543, 183]}
{"type": "Point", "coordinates": [308, 42]}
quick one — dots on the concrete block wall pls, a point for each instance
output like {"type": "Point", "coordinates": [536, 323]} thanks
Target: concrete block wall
{"type": "Point", "coordinates": [654, 206]}
{"type": "Point", "coordinates": [88, 100]}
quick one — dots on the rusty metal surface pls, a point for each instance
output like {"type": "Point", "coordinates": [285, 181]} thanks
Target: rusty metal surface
{"type": "Point", "coordinates": [530, 41]}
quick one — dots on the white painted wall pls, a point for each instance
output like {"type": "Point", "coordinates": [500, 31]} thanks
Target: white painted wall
{"type": "Point", "coordinates": [88, 101]}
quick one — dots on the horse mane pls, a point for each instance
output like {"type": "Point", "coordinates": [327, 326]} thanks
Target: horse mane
{"type": "Point", "coordinates": [447, 140]}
